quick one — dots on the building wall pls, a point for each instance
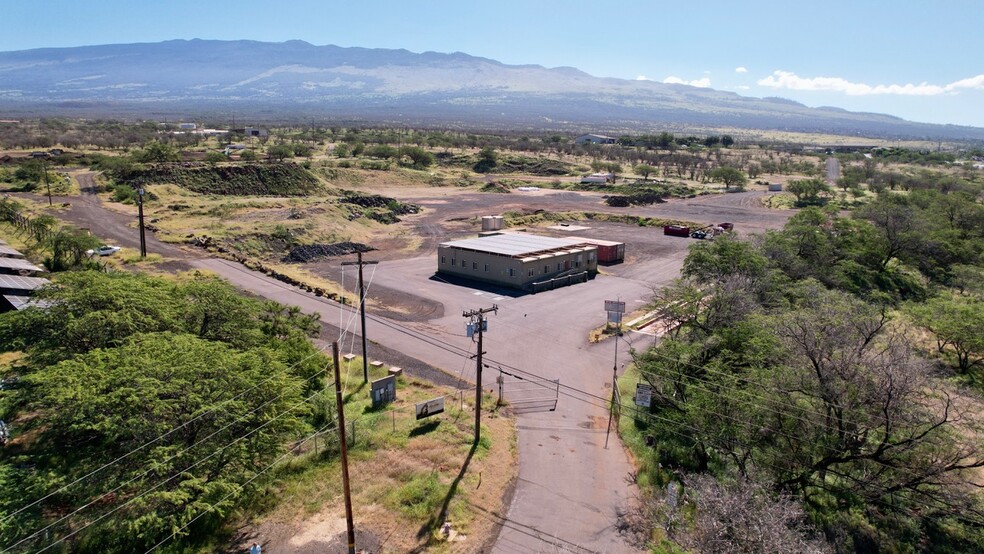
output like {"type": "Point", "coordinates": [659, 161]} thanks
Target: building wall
{"type": "Point", "coordinates": [512, 272]}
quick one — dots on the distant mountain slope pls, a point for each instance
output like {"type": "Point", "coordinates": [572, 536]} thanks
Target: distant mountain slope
{"type": "Point", "coordinates": [300, 78]}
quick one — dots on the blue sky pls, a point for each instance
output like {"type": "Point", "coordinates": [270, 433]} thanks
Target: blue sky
{"type": "Point", "coordinates": [917, 59]}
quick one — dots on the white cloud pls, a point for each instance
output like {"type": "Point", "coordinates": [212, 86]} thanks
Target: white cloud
{"type": "Point", "coordinates": [700, 83]}
{"type": "Point", "coordinates": [789, 80]}
{"type": "Point", "coordinates": [741, 69]}
{"type": "Point", "coordinates": [643, 78]}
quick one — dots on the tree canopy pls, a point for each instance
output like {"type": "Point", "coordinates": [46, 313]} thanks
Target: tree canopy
{"type": "Point", "coordinates": [184, 390]}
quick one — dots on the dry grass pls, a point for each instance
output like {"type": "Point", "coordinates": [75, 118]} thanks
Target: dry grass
{"type": "Point", "coordinates": [404, 474]}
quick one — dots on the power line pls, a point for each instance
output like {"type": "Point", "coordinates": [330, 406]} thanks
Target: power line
{"type": "Point", "coordinates": [241, 487]}
{"type": "Point", "coordinates": [154, 440]}
{"type": "Point", "coordinates": [104, 495]}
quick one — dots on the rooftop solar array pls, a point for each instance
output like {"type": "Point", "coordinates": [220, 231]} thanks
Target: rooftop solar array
{"type": "Point", "coordinates": [16, 282]}
{"type": "Point", "coordinates": [18, 264]}
{"type": "Point", "coordinates": [514, 244]}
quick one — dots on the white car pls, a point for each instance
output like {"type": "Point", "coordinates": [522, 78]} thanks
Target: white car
{"type": "Point", "coordinates": [104, 250]}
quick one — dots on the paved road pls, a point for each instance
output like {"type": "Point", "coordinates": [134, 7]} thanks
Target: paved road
{"type": "Point", "coordinates": [570, 486]}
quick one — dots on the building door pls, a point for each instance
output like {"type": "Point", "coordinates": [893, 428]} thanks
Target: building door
{"type": "Point", "coordinates": [567, 265]}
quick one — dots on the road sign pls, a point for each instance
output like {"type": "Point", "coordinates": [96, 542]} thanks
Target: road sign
{"type": "Point", "coordinates": [643, 395]}
{"type": "Point", "coordinates": [614, 306]}
{"type": "Point", "coordinates": [383, 391]}
{"type": "Point", "coordinates": [431, 407]}
{"type": "Point", "coordinates": [615, 317]}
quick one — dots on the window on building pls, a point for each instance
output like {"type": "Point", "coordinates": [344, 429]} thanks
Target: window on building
{"type": "Point", "coordinates": [577, 261]}
{"type": "Point", "coordinates": [453, 262]}
{"type": "Point", "coordinates": [486, 268]}
{"type": "Point", "coordinates": [464, 263]}
{"type": "Point", "coordinates": [474, 265]}
{"type": "Point", "coordinates": [442, 260]}
{"type": "Point", "coordinates": [546, 269]}
{"type": "Point", "coordinates": [512, 272]}
{"type": "Point", "coordinates": [558, 266]}
{"type": "Point", "coordinates": [591, 256]}
{"type": "Point", "coordinates": [530, 272]}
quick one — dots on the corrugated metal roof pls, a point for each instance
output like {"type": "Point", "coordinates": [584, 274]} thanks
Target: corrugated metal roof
{"type": "Point", "coordinates": [18, 264]}
{"type": "Point", "coordinates": [513, 244]}
{"type": "Point", "coordinates": [16, 282]}
{"type": "Point", "coordinates": [8, 251]}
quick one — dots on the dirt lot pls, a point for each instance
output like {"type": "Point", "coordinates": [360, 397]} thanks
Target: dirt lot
{"type": "Point", "coordinates": [650, 256]}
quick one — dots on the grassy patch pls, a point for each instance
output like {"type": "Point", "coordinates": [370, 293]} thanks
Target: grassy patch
{"type": "Point", "coordinates": [780, 201]}
{"type": "Point", "coordinates": [408, 476]}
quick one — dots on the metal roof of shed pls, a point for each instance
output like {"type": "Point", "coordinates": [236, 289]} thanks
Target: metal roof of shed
{"type": "Point", "coordinates": [515, 245]}
{"type": "Point", "coordinates": [16, 282]}
{"type": "Point", "coordinates": [18, 264]}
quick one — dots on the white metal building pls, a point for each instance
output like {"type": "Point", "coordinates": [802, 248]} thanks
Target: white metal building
{"type": "Point", "coordinates": [527, 262]}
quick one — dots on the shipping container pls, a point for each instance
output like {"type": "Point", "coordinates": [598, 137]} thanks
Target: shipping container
{"type": "Point", "coordinates": [676, 230]}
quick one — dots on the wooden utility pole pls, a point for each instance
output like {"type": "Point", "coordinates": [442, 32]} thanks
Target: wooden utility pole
{"type": "Point", "coordinates": [344, 446]}
{"type": "Point", "coordinates": [362, 315]}
{"type": "Point", "coordinates": [143, 239]}
{"type": "Point", "coordinates": [611, 409]}
{"type": "Point", "coordinates": [477, 318]}
{"type": "Point", "coordinates": [44, 165]}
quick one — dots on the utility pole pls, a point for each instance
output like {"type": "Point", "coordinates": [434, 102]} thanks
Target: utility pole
{"type": "Point", "coordinates": [340, 404]}
{"type": "Point", "coordinates": [362, 314]}
{"type": "Point", "coordinates": [143, 239]}
{"type": "Point", "coordinates": [618, 333]}
{"type": "Point", "coordinates": [44, 165]}
{"type": "Point", "coordinates": [477, 319]}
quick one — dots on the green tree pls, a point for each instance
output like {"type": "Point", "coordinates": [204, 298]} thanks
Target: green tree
{"type": "Point", "coordinates": [727, 141]}
{"type": "Point", "coordinates": [156, 152]}
{"type": "Point", "coordinates": [730, 176]}
{"type": "Point", "coordinates": [68, 247]}
{"type": "Point", "coordinates": [29, 172]}
{"type": "Point", "coordinates": [280, 152]}
{"type": "Point", "coordinates": [417, 156]}
{"type": "Point", "coordinates": [107, 403]}
{"type": "Point", "coordinates": [488, 158]}
{"type": "Point", "coordinates": [213, 158]}
{"type": "Point", "coordinates": [956, 322]}
{"type": "Point", "coordinates": [247, 155]}
{"type": "Point", "coordinates": [807, 191]}
{"type": "Point", "coordinates": [645, 170]}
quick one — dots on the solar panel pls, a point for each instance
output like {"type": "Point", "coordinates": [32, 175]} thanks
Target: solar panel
{"type": "Point", "coordinates": [20, 302]}
{"type": "Point", "coordinates": [16, 282]}
{"type": "Point", "coordinates": [8, 251]}
{"type": "Point", "coordinates": [18, 264]}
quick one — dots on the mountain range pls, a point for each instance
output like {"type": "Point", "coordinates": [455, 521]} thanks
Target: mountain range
{"type": "Point", "coordinates": [263, 80]}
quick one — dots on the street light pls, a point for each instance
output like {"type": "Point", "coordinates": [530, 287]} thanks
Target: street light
{"type": "Point", "coordinates": [143, 240]}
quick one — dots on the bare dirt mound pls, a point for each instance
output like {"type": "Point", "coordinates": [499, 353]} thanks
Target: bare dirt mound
{"type": "Point", "coordinates": [313, 252]}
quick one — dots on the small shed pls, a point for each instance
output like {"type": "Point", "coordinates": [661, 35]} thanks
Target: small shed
{"type": "Point", "coordinates": [609, 252]}
{"type": "Point", "coordinates": [775, 187]}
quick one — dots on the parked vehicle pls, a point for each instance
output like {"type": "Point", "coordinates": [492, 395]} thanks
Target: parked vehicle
{"type": "Point", "coordinates": [104, 250]}
{"type": "Point", "coordinates": [702, 234]}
